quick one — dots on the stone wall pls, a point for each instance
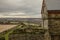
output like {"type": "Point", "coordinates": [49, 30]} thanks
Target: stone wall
{"type": "Point", "coordinates": [24, 35]}
{"type": "Point", "coordinates": [54, 24]}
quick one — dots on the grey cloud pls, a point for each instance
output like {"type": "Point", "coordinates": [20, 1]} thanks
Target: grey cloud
{"type": "Point", "coordinates": [29, 7]}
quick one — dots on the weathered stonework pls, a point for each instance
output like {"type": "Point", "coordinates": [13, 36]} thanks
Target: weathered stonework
{"type": "Point", "coordinates": [54, 24]}
{"type": "Point", "coordinates": [24, 35]}
{"type": "Point", "coordinates": [45, 22]}
{"type": "Point", "coordinates": [54, 15]}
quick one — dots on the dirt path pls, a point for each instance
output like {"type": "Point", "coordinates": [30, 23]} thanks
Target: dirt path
{"type": "Point", "coordinates": [6, 27]}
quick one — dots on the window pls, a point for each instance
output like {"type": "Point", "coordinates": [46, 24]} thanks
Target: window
{"type": "Point", "coordinates": [20, 8]}
{"type": "Point", "coordinates": [28, 14]}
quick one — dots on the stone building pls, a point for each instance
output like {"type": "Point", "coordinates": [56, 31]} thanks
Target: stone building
{"type": "Point", "coordinates": [54, 24]}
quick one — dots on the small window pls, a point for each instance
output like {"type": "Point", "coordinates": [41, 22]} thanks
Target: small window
{"type": "Point", "coordinates": [21, 10]}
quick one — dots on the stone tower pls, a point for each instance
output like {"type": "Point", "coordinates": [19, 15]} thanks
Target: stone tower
{"type": "Point", "coordinates": [45, 21]}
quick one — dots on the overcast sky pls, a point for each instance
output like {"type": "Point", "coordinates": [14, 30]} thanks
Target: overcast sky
{"type": "Point", "coordinates": [21, 8]}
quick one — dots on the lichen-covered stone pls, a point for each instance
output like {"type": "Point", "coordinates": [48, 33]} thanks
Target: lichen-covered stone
{"type": "Point", "coordinates": [54, 24]}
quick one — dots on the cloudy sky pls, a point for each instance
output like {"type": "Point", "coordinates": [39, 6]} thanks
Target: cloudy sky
{"type": "Point", "coordinates": [20, 8]}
